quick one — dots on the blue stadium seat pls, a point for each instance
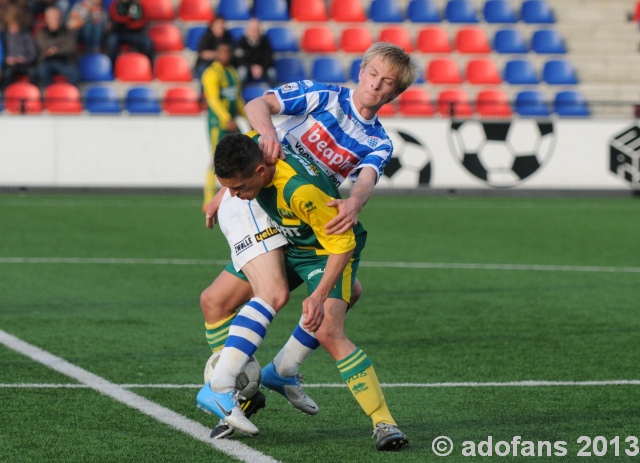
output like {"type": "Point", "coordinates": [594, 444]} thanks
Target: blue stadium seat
{"type": "Point", "coordinates": [520, 72]}
{"type": "Point", "coordinates": [531, 103]}
{"type": "Point", "coordinates": [547, 41]}
{"type": "Point", "coordinates": [509, 41]}
{"type": "Point", "coordinates": [461, 12]}
{"type": "Point", "coordinates": [499, 12]}
{"type": "Point", "coordinates": [559, 72]}
{"type": "Point", "coordinates": [193, 37]}
{"type": "Point", "coordinates": [236, 32]}
{"type": "Point", "coordinates": [385, 11]}
{"type": "Point", "coordinates": [290, 69]}
{"type": "Point", "coordinates": [570, 103]}
{"type": "Point", "coordinates": [142, 100]}
{"type": "Point", "coordinates": [234, 10]}
{"type": "Point", "coordinates": [328, 69]}
{"type": "Point", "coordinates": [423, 11]}
{"type": "Point", "coordinates": [282, 39]}
{"type": "Point", "coordinates": [271, 10]}
{"type": "Point", "coordinates": [354, 69]}
{"type": "Point", "coordinates": [102, 99]}
{"type": "Point", "coordinates": [251, 91]}
{"type": "Point", "coordinates": [536, 12]}
{"type": "Point", "coordinates": [95, 67]}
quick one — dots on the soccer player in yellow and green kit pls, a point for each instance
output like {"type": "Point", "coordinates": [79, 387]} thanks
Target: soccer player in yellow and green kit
{"type": "Point", "coordinates": [223, 94]}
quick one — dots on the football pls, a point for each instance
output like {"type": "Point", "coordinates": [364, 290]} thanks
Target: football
{"type": "Point", "coordinates": [247, 382]}
{"type": "Point", "coordinates": [502, 154]}
{"type": "Point", "coordinates": [410, 165]}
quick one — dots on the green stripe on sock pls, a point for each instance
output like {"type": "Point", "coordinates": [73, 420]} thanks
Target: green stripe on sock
{"type": "Point", "coordinates": [216, 337]}
{"type": "Point", "coordinates": [355, 363]}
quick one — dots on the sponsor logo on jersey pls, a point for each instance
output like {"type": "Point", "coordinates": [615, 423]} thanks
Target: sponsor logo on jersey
{"type": "Point", "coordinates": [267, 233]}
{"type": "Point", "coordinates": [289, 87]}
{"type": "Point", "coordinates": [373, 141]}
{"type": "Point", "coordinates": [287, 214]}
{"type": "Point", "coordinates": [289, 232]}
{"type": "Point", "coordinates": [314, 273]}
{"type": "Point", "coordinates": [309, 206]}
{"type": "Point", "coordinates": [309, 166]}
{"type": "Point", "coordinates": [229, 93]}
{"type": "Point", "coordinates": [243, 245]}
{"type": "Point", "coordinates": [340, 115]}
{"type": "Point", "coordinates": [307, 83]}
{"type": "Point", "coordinates": [324, 147]}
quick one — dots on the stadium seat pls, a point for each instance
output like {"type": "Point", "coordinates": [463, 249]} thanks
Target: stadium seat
{"type": "Point", "coordinates": [493, 103]}
{"type": "Point", "coordinates": [397, 35]}
{"type": "Point", "coordinates": [236, 33]}
{"type": "Point", "coordinates": [347, 11]}
{"type": "Point", "coordinates": [443, 71]}
{"type": "Point", "coordinates": [454, 103]}
{"type": "Point", "coordinates": [423, 11]}
{"type": "Point", "coordinates": [172, 68]}
{"type": "Point", "coordinates": [271, 10]}
{"type": "Point", "coordinates": [22, 98]}
{"type": "Point", "coordinates": [193, 37]}
{"type": "Point", "coordinates": [234, 10]}
{"type": "Point", "coordinates": [328, 69]}
{"type": "Point", "coordinates": [460, 12]}
{"type": "Point", "coordinates": [499, 12]}
{"type": "Point", "coordinates": [195, 10]}
{"type": "Point", "coordinates": [415, 102]}
{"type": "Point", "coordinates": [95, 67]}
{"type": "Point", "coordinates": [165, 37]}
{"type": "Point", "coordinates": [158, 10]}
{"type": "Point", "coordinates": [547, 41]}
{"type": "Point", "coordinates": [520, 72]}
{"type": "Point", "coordinates": [181, 101]}
{"type": "Point", "coordinates": [385, 11]}
{"type": "Point", "coordinates": [354, 69]}
{"type": "Point", "coordinates": [531, 103]}
{"type": "Point", "coordinates": [482, 71]}
{"type": "Point", "coordinates": [433, 39]}
{"type": "Point", "coordinates": [318, 39]}
{"type": "Point", "coordinates": [509, 41]}
{"type": "Point", "coordinates": [536, 12]}
{"type": "Point", "coordinates": [387, 110]}
{"type": "Point", "coordinates": [559, 72]}
{"type": "Point", "coordinates": [471, 39]}
{"type": "Point", "coordinates": [355, 39]}
{"type": "Point", "coordinates": [252, 91]}
{"type": "Point", "coordinates": [290, 69]}
{"type": "Point", "coordinates": [570, 103]}
{"type": "Point", "coordinates": [102, 100]}
{"type": "Point", "coordinates": [282, 39]}
{"type": "Point", "coordinates": [62, 98]}
{"type": "Point", "coordinates": [309, 10]}
{"type": "Point", "coordinates": [133, 67]}
{"type": "Point", "coordinates": [142, 100]}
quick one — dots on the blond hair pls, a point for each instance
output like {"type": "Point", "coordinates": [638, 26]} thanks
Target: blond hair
{"type": "Point", "coordinates": [401, 63]}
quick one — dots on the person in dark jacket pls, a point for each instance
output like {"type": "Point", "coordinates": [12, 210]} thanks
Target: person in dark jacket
{"type": "Point", "coordinates": [216, 32]}
{"type": "Point", "coordinates": [254, 56]}
{"type": "Point", "coordinates": [57, 48]}
{"type": "Point", "coordinates": [128, 26]}
{"type": "Point", "coordinates": [20, 52]}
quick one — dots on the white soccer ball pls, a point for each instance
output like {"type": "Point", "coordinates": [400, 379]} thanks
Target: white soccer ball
{"type": "Point", "coordinates": [247, 382]}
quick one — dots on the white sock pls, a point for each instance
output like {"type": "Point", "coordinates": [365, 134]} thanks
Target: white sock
{"type": "Point", "coordinates": [299, 346]}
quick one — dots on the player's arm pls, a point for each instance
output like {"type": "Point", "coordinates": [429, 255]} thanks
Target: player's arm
{"type": "Point", "coordinates": [259, 112]}
{"type": "Point", "coordinates": [211, 214]}
{"type": "Point", "coordinates": [350, 208]}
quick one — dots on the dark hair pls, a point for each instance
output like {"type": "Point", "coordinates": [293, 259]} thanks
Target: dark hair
{"type": "Point", "coordinates": [236, 155]}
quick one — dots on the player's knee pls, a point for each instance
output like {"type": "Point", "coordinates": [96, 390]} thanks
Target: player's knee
{"type": "Point", "coordinates": [212, 307]}
{"type": "Point", "coordinates": [278, 298]}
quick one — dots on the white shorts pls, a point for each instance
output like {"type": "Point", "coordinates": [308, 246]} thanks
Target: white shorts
{"type": "Point", "coordinates": [248, 229]}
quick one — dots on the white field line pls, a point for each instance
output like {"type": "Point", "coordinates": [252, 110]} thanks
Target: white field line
{"type": "Point", "coordinates": [194, 429]}
{"type": "Point", "coordinates": [414, 265]}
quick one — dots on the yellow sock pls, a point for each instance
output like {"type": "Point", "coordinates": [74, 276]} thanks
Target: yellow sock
{"type": "Point", "coordinates": [357, 371]}
{"type": "Point", "coordinates": [209, 186]}
{"type": "Point", "coordinates": [218, 332]}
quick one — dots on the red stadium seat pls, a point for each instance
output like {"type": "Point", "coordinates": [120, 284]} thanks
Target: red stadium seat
{"type": "Point", "coordinates": [493, 103]}
{"type": "Point", "coordinates": [483, 71]}
{"type": "Point", "coordinates": [347, 11]}
{"type": "Point", "coordinates": [415, 102]}
{"type": "Point", "coordinates": [22, 98]}
{"type": "Point", "coordinates": [195, 10]}
{"type": "Point", "coordinates": [318, 39]}
{"type": "Point", "coordinates": [355, 39]}
{"type": "Point", "coordinates": [62, 98]}
{"type": "Point", "coordinates": [133, 67]}
{"type": "Point", "coordinates": [454, 103]}
{"type": "Point", "coordinates": [387, 110]}
{"type": "Point", "coordinates": [181, 101]}
{"type": "Point", "coordinates": [166, 37]}
{"type": "Point", "coordinates": [443, 71]}
{"type": "Point", "coordinates": [397, 35]}
{"type": "Point", "coordinates": [433, 39]}
{"type": "Point", "coordinates": [172, 68]}
{"type": "Point", "coordinates": [309, 10]}
{"type": "Point", "coordinates": [158, 10]}
{"type": "Point", "coordinates": [471, 40]}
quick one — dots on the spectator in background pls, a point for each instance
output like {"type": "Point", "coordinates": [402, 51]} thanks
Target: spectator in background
{"type": "Point", "coordinates": [19, 9]}
{"type": "Point", "coordinates": [57, 49]}
{"type": "Point", "coordinates": [128, 26]}
{"type": "Point", "coordinates": [19, 52]}
{"type": "Point", "coordinates": [217, 32]}
{"type": "Point", "coordinates": [88, 19]}
{"type": "Point", "coordinates": [254, 56]}
{"type": "Point", "coordinates": [40, 6]}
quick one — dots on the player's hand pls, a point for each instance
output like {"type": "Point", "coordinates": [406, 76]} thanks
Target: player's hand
{"type": "Point", "coordinates": [313, 312]}
{"type": "Point", "coordinates": [347, 217]}
{"type": "Point", "coordinates": [211, 212]}
{"type": "Point", "coordinates": [271, 148]}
